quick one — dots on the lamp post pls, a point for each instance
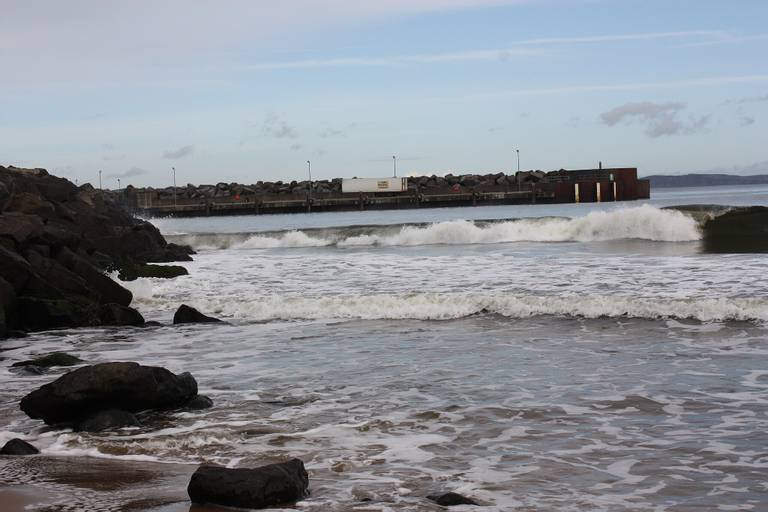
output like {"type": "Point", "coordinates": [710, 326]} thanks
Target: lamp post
{"type": "Point", "coordinates": [99, 179]}
{"type": "Point", "coordinates": [394, 165]}
{"type": "Point", "coordinates": [518, 170]}
{"type": "Point", "coordinates": [118, 184]}
{"type": "Point", "coordinates": [174, 187]}
{"type": "Point", "coordinates": [309, 171]}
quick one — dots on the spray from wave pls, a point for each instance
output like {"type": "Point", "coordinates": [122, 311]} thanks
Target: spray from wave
{"type": "Point", "coordinates": [644, 223]}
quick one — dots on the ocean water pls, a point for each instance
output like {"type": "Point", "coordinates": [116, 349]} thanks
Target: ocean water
{"type": "Point", "coordinates": [549, 357]}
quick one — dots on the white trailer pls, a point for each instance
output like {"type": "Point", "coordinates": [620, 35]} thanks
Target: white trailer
{"type": "Point", "coordinates": [356, 185]}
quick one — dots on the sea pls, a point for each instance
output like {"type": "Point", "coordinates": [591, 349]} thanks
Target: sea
{"type": "Point", "coordinates": [579, 357]}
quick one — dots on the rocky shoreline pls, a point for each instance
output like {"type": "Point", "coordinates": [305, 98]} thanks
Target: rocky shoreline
{"type": "Point", "coordinates": [57, 241]}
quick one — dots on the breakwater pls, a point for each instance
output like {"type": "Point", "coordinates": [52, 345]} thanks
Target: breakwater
{"type": "Point", "coordinates": [562, 186]}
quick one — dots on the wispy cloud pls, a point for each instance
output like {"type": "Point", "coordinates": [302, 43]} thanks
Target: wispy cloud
{"type": "Point", "coordinates": [179, 153]}
{"type": "Point", "coordinates": [659, 119]}
{"type": "Point", "coordinates": [636, 86]}
{"type": "Point", "coordinates": [130, 173]}
{"type": "Point", "coordinates": [752, 99]}
{"type": "Point", "coordinates": [520, 48]}
{"type": "Point", "coordinates": [746, 120]}
{"type": "Point", "coordinates": [275, 126]}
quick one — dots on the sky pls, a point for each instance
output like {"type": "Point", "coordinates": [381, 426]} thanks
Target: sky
{"type": "Point", "coordinates": [239, 90]}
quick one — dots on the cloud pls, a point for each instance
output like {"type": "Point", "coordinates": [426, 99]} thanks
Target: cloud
{"type": "Point", "coordinates": [331, 132]}
{"type": "Point", "coordinates": [520, 48]}
{"type": "Point", "coordinates": [753, 99]}
{"type": "Point", "coordinates": [130, 173]}
{"type": "Point", "coordinates": [660, 119]}
{"type": "Point", "coordinates": [275, 126]}
{"type": "Point", "coordinates": [295, 147]}
{"type": "Point", "coordinates": [746, 120]}
{"type": "Point", "coordinates": [54, 41]}
{"type": "Point", "coordinates": [179, 153]}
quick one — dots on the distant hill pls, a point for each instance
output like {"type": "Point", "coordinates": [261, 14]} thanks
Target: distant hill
{"type": "Point", "coordinates": [705, 180]}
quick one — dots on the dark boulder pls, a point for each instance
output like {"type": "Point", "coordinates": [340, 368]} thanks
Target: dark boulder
{"type": "Point", "coordinates": [199, 402]}
{"type": "Point", "coordinates": [275, 484]}
{"type": "Point", "coordinates": [20, 226]}
{"type": "Point", "coordinates": [451, 499]}
{"type": "Point", "coordinates": [54, 359]}
{"type": "Point", "coordinates": [14, 269]}
{"type": "Point", "coordinates": [115, 314]}
{"type": "Point", "coordinates": [108, 290]}
{"type": "Point", "coordinates": [106, 420]}
{"type": "Point", "coordinates": [18, 447]}
{"type": "Point", "coordinates": [37, 314]}
{"type": "Point", "coordinates": [189, 315]}
{"type": "Point", "coordinates": [126, 386]}
{"type": "Point", "coordinates": [133, 272]}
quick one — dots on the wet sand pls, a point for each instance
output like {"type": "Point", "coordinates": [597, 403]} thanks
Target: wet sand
{"type": "Point", "coordinates": [85, 483]}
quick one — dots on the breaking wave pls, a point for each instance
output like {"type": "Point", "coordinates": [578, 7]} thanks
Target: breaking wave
{"type": "Point", "coordinates": [644, 223]}
{"type": "Point", "coordinates": [448, 306]}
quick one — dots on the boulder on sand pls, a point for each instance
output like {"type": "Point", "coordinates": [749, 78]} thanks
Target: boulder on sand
{"type": "Point", "coordinates": [189, 315]}
{"type": "Point", "coordinates": [18, 447]}
{"type": "Point", "coordinates": [275, 484]}
{"type": "Point", "coordinates": [126, 386]}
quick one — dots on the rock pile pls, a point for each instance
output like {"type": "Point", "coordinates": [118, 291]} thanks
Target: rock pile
{"type": "Point", "coordinates": [419, 184]}
{"type": "Point", "coordinates": [56, 241]}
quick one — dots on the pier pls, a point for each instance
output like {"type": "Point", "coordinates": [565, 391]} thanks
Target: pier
{"type": "Point", "coordinates": [531, 187]}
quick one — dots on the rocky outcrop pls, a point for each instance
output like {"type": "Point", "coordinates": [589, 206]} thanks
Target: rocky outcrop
{"type": "Point", "coordinates": [189, 315]}
{"type": "Point", "coordinates": [133, 272]}
{"type": "Point", "coordinates": [51, 360]}
{"type": "Point", "coordinates": [451, 499]}
{"type": "Point", "coordinates": [275, 484]}
{"type": "Point", "coordinates": [56, 241]}
{"type": "Point", "coordinates": [130, 387]}
{"type": "Point", "coordinates": [18, 447]}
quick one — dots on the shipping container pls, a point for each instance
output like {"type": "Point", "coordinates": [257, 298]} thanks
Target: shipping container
{"type": "Point", "coordinates": [356, 185]}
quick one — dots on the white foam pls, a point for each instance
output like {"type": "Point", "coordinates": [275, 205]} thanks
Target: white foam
{"type": "Point", "coordinates": [446, 306]}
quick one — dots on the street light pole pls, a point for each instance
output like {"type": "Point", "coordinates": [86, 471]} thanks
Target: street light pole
{"type": "Point", "coordinates": [99, 179]}
{"type": "Point", "coordinates": [309, 171]}
{"type": "Point", "coordinates": [518, 160]}
{"type": "Point", "coordinates": [394, 164]}
{"type": "Point", "coordinates": [174, 187]}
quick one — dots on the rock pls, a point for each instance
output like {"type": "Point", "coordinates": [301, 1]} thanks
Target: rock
{"type": "Point", "coordinates": [115, 314]}
{"type": "Point", "coordinates": [18, 447]}
{"type": "Point", "coordinates": [451, 499]}
{"type": "Point", "coordinates": [38, 314]}
{"type": "Point", "coordinates": [14, 269]}
{"type": "Point", "coordinates": [133, 272]}
{"type": "Point", "coordinates": [199, 402]}
{"type": "Point", "coordinates": [126, 386]}
{"type": "Point", "coordinates": [109, 291]}
{"type": "Point", "coordinates": [5, 196]}
{"type": "Point", "coordinates": [107, 419]}
{"type": "Point", "coordinates": [275, 484]}
{"type": "Point", "coordinates": [189, 315]}
{"type": "Point", "coordinates": [54, 359]}
{"type": "Point", "coordinates": [7, 307]}
{"type": "Point", "coordinates": [20, 227]}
